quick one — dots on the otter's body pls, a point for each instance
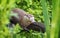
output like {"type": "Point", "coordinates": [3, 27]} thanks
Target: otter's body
{"type": "Point", "coordinates": [26, 21]}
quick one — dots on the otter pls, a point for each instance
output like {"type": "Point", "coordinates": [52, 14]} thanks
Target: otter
{"type": "Point", "coordinates": [25, 20]}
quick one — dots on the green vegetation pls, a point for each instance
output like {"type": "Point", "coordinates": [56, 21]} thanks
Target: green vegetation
{"type": "Point", "coordinates": [45, 11]}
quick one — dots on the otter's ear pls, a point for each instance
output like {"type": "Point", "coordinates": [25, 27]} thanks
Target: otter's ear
{"type": "Point", "coordinates": [36, 26]}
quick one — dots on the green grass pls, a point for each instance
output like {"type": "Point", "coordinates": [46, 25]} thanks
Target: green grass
{"type": "Point", "coordinates": [55, 19]}
{"type": "Point", "coordinates": [46, 18]}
